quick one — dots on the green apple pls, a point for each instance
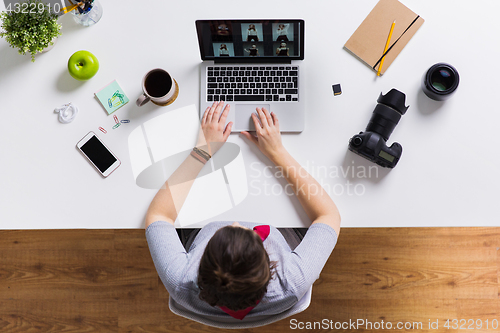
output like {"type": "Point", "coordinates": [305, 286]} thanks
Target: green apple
{"type": "Point", "coordinates": [83, 65]}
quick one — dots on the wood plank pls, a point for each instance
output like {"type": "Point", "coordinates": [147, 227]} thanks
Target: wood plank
{"type": "Point", "coordinates": [417, 313]}
{"type": "Point", "coordinates": [56, 274]}
{"type": "Point", "coordinates": [474, 237]}
{"type": "Point", "coordinates": [419, 237]}
{"type": "Point", "coordinates": [134, 275]}
{"type": "Point", "coordinates": [138, 316]}
{"type": "Point", "coordinates": [130, 239]}
{"type": "Point", "coordinates": [71, 239]}
{"type": "Point", "coordinates": [381, 273]}
{"type": "Point", "coordinates": [477, 315]}
{"type": "Point", "coordinates": [58, 316]}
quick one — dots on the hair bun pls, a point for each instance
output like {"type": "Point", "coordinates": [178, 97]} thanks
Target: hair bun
{"type": "Point", "coordinates": [223, 278]}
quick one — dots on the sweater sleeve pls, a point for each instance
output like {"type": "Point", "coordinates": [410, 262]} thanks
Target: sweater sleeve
{"type": "Point", "coordinates": [169, 256]}
{"type": "Point", "coordinates": [305, 263]}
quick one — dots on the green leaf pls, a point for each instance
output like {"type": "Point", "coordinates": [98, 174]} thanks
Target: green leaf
{"type": "Point", "coordinates": [30, 32]}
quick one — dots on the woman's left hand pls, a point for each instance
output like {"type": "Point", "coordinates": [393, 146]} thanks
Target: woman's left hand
{"type": "Point", "coordinates": [213, 133]}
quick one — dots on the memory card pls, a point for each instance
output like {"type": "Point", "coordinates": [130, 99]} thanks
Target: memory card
{"type": "Point", "coordinates": [336, 89]}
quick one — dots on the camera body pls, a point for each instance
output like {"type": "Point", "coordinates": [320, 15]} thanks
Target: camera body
{"type": "Point", "coordinates": [372, 144]}
{"type": "Point", "coordinates": [373, 147]}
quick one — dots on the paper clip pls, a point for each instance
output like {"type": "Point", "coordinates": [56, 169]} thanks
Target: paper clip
{"type": "Point", "coordinates": [124, 121]}
{"type": "Point", "coordinates": [103, 130]}
{"type": "Point", "coordinates": [112, 101]}
{"type": "Point", "coordinates": [116, 126]}
{"type": "Point", "coordinates": [116, 119]}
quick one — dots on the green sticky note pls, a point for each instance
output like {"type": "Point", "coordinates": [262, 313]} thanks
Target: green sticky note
{"type": "Point", "coordinates": [112, 97]}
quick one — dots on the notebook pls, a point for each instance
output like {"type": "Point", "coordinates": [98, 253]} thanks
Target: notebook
{"type": "Point", "coordinates": [368, 41]}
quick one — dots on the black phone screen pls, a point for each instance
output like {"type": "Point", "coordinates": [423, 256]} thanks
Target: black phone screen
{"type": "Point", "coordinates": [98, 154]}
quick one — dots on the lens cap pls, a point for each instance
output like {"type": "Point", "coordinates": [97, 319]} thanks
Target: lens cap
{"type": "Point", "coordinates": [394, 99]}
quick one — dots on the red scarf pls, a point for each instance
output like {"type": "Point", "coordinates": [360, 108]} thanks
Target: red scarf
{"type": "Point", "coordinates": [263, 232]}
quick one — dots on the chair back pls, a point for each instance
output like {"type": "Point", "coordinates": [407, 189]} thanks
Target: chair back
{"type": "Point", "coordinates": [248, 322]}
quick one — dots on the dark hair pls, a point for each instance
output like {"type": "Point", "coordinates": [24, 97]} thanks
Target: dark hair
{"type": "Point", "coordinates": [235, 269]}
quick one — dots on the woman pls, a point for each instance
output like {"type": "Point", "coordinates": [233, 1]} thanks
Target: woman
{"type": "Point", "coordinates": [253, 51]}
{"type": "Point", "coordinates": [233, 269]}
{"type": "Point", "coordinates": [282, 50]}
{"type": "Point", "coordinates": [252, 34]}
{"type": "Point", "coordinates": [282, 33]}
{"type": "Point", "coordinates": [223, 51]}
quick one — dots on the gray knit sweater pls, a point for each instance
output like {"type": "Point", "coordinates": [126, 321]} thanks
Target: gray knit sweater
{"type": "Point", "coordinates": [296, 270]}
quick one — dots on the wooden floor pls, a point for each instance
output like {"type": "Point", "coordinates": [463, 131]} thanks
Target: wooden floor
{"type": "Point", "coordinates": [105, 281]}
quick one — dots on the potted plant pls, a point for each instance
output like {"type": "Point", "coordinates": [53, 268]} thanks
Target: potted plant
{"type": "Point", "coordinates": [30, 27]}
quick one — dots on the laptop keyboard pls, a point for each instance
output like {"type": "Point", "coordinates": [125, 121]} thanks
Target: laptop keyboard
{"type": "Point", "coordinates": [254, 84]}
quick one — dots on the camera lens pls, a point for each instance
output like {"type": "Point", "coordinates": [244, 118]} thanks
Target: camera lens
{"type": "Point", "coordinates": [440, 81]}
{"type": "Point", "coordinates": [387, 113]}
{"type": "Point", "coordinates": [383, 121]}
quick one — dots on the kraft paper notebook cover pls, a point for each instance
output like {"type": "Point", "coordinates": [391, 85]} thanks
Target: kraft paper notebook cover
{"type": "Point", "coordinates": [368, 41]}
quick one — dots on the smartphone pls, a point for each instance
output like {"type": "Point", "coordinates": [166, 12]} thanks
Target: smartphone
{"type": "Point", "coordinates": [98, 154]}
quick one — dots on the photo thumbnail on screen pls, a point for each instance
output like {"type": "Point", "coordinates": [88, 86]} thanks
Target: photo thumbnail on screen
{"type": "Point", "coordinates": [222, 31]}
{"type": "Point", "coordinates": [252, 32]}
{"type": "Point", "coordinates": [284, 49]}
{"type": "Point", "coordinates": [283, 32]}
{"type": "Point", "coordinates": [223, 49]}
{"type": "Point", "coordinates": [253, 49]}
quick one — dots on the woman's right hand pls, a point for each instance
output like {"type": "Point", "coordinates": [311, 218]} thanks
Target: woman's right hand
{"type": "Point", "coordinates": [268, 137]}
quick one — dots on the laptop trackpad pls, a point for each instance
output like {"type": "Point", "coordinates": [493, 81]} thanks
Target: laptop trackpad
{"type": "Point", "coordinates": [243, 115]}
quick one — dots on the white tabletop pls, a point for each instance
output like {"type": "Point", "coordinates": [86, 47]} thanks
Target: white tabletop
{"type": "Point", "coordinates": [447, 175]}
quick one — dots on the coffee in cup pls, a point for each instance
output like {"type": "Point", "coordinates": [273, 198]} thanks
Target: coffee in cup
{"type": "Point", "coordinates": [159, 87]}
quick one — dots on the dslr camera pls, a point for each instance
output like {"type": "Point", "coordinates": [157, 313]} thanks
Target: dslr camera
{"type": "Point", "coordinates": [372, 143]}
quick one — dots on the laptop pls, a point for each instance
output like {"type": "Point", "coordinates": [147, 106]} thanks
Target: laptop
{"type": "Point", "coordinates": [253, 63]}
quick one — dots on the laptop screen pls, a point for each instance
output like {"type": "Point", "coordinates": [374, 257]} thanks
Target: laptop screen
{"type": "Point", "coordinates": [251, 40]}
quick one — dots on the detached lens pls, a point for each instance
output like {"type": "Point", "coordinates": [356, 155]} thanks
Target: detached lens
{"type": "Point", "coordinates": [440, 81]}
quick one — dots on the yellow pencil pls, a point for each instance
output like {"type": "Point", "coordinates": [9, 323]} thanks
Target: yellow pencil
{"type": "Point", "coordinates": [386, 47]}
{"type": "Point", "coordinates": [70, 8]}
